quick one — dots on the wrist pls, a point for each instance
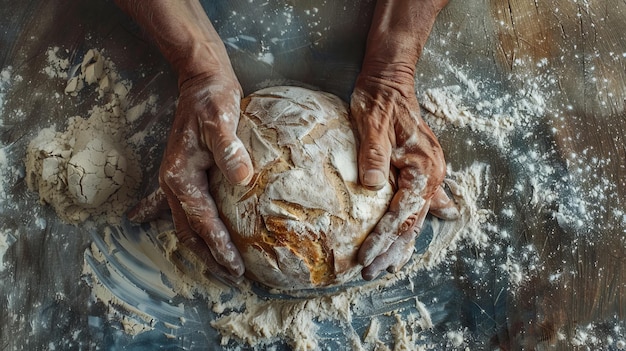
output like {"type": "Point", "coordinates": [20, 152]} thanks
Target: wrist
{"type": "Point", "coordinates": [193, 47]}
{"type": "Point", "coordinates": [399, 74]}
{"type": "Point", "coordinates": [200, 57]}
{"type": "Point", "coordinates": [184, 35]}
{"type": "Point", "coordinates": [398, 34]}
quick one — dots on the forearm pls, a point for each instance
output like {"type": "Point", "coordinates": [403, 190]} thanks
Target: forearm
{"type": "Point", "coordinates": [183, 33]}
{"type": "Point", "coordinates": [398, 33]}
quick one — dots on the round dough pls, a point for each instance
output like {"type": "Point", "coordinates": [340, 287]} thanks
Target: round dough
{"type": "Point", "coordinates": [299, 223]}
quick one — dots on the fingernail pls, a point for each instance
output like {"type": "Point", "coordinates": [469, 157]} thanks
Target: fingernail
{"type": "Point", "coordinates": [369, 273]}
{"type": "Point", "coordinates": [450, 213]}
{"type": "Point", "coordinates": [453, 212]}
{"type": "Point", "coordinates": [374, 178]}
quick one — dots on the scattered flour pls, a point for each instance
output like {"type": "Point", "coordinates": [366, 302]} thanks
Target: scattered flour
{"type": "Point", "coordinates": [6, 240]}
{"type": "Point", "coordinates": [599, 336]}
{"type": "Point", "coordinates": [456, 338]}
{"type": "Point", "coordinates": [5, 82]}
{"type": "Point", "coordinates": [4, 175]}
{"type": "Point", "coordinates": [9, 173]}
{"type": "Point", "coordinates": [5, 79]}
{"type": "Point", "coordinates": [57, 67]}
{"type": "Point", "coordinates": [521, 126]}
{"type": "Point", "coordinates": [496, 117]}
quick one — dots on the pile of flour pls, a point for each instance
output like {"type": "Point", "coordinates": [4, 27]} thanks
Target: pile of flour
{"type": "Point", "coordinates": [86, 170]}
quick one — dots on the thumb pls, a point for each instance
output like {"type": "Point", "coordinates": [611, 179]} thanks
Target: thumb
{"type": "Point", "coordinates": [372, 123]}
{"type": "Point", "coordinates": [374, 153]}
{"type": "Point", "coordinates": [233, 159]}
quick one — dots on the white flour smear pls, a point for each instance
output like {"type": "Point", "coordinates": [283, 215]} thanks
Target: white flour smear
{"type": "Point", "coordinates": [9, 172]}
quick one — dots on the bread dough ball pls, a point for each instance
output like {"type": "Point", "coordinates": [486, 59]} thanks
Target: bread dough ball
{"type": "Point", "coordinates": [300, 222]}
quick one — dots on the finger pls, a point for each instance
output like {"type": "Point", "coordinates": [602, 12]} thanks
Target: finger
{"type": "Point", "coordinates": [149, 208]}
{"type": "Point", "coordinates": [375, 142]}
{"type": "Point", "coordinates": [196, 213]}
{"type": "Point", "coordinates": [442, 206]}
{"type": "Point", "coordinates": [233, 160]}
{"type": "Point", "coordinates": [374, 155]}
{"type": "Point", "coordinates": [194, 243]}
{"type": "Point", "coordinates": [395, 258]}
{"type": "Point", "coordinates": [229, 153]}
{"type": "Point", "coordinates": [407, 210]}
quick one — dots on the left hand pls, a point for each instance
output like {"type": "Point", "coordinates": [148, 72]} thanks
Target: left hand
{"type": "Point", "coordinates": [392, 132]}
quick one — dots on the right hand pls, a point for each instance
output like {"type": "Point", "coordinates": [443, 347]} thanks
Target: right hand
{"type": "Point", "coordinates": [203, 131]}
{"type": "Point", "coordinates": [202, 135]}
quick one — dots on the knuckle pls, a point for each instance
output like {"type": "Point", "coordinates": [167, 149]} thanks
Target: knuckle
{"type": "Point", "coordinates": [439, 169]}
{"type": "Point", "coordinates": [375, 150]}
{"type": "Point", "coordinates": [375, 154]}
{"type": "Point", "coordinates": [408, 224]}
{"type": "Point", "coordinates": [168, 174]}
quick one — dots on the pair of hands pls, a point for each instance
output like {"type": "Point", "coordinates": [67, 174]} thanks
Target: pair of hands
{"type": "Point", "coordinates": [383, 105]}
{"type": "Point", "coordinates": [390, 129]}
